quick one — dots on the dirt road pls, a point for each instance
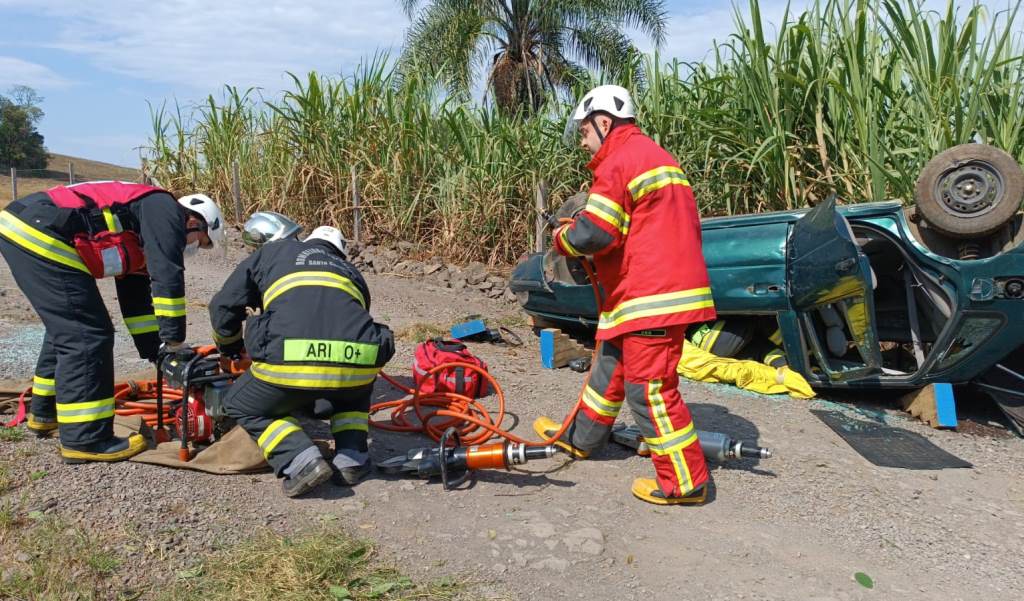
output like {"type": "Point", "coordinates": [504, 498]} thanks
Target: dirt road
{"type": "Point", "coordinates": [798, 526]}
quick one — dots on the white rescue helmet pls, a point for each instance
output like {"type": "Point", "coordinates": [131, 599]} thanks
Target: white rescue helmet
{"type": "Point", "coordinates": [204, 206]}
{"type": "Point", "coordinates": [611, 99]}
{"type": "Point", "coordinates": [332, 235]}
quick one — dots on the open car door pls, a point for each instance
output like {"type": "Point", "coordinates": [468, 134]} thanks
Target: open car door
{"type": "Point", "coordinates": [830, 286]}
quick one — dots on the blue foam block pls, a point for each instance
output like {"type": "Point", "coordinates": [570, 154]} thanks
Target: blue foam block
{"type": "Point", "coordinates": [945, 405]}
{"type": "Point", "coordinates": [547, 349]}
{"type": "Point", "coordinates": [468, 328]}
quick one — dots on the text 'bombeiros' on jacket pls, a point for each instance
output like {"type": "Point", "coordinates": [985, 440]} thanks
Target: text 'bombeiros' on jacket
{"type": "Point", "coordinates": [314, 329]}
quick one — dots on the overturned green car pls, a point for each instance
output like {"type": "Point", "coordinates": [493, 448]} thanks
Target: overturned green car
{"type": "Point", "coordinates": [874, 295]}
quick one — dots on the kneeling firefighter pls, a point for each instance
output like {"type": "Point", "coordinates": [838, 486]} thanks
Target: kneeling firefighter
{"type": "Point", "coordinates": [641, 226]}
{"type": "Point", "coordinates": [314, 340]}
{"type": "Point", "coordinates": [57, 243]}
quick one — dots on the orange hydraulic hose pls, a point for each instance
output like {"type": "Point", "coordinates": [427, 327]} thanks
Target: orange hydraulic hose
{"type": "Point", "coordinates": [475, 423]}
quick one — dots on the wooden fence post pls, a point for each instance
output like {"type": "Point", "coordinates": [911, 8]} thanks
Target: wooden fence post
{"type": "Point", "coordinates": [14, 183]}
{"type": "Point", "coordinates": [541, 204]}
{"type": "Point", "coordinates": [236, 191]}
{"type": "Point", "coordinates": [71, 173]}
{"type": "Point", "coordinates": [357, 218]}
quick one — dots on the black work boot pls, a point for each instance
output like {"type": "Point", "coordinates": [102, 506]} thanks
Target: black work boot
{"type": "Point", "coordinates": [350, 476]}
{"type": "Point", "coordinates": [308, 478]}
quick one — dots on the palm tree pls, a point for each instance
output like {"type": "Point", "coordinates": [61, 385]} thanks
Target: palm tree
{"type": "Point", "coordinates": [528, 48]}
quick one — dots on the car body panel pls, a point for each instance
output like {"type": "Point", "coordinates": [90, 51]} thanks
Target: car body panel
{"type": "Point", "coordinates": [747, 264]}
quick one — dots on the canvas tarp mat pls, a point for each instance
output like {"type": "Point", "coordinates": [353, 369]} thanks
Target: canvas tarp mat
{"type": "Point", "coordinates": [234, 453]}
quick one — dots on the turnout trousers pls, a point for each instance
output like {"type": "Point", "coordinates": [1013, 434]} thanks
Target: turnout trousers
{"type": "Point", "coordinates": [639, 368]}
{"type": "Point", "coordinates": [74, 378]}
{"type": "Point", "coordinates": [265, 409]}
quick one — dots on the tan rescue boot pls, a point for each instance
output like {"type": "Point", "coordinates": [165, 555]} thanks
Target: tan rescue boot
{"type": "Point", "coordinates": [115, 449]}
{"type": "Point", "coordinates": [547, 427]}
{"type": "Point", "coordinates": [647, 489]}
{"type": "Point", "coordinates": [40, 427]}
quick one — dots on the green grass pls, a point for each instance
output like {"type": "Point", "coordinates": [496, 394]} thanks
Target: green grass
{"type": "Point", "coordinates": [45, 552]}
{"type": "Point", "coordinates": [12, 434]}
{"type": "Point", "coordinates": [324, 564]}
{"type": "Point", "coordinates": [47, 558]}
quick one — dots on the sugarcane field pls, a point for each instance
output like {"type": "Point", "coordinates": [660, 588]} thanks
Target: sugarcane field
{"type": "Point", "coordinates": [512, 299]}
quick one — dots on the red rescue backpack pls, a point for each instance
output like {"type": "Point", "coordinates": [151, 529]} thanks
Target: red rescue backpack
{"type": "Point", "coordinates": [459, 380]}
{"type": "Point", "coordinates": [109, 250]}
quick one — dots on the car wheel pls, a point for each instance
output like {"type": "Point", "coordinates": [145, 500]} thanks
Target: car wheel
{"type": "Point", "coordinates": [969, 190]}
{"type": "Point", "coordinates": [572, 205]}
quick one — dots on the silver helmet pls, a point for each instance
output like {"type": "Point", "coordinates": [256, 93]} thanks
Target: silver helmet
{"type": "Point", "coordinates": [268, 226]}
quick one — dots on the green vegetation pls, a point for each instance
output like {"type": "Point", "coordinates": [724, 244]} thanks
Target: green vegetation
{"type": "Point", "coordinates": [322, 565]}
{"type": "Point", "coordinates": [851, 95]}
{"type": "Point", "coordinates": [533, 48]}
{"type": "Point", "coordinates": [47, 558]}
{"type": "Point", "coordinates": [21, 144]}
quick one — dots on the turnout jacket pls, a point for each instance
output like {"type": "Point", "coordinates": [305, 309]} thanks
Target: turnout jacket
{"type": "Point", "coordinates": [315, 330]}
{"type": "Point", "coordinates": [152, 298]}
{"type": "Point", "coordinates": [642, 227]}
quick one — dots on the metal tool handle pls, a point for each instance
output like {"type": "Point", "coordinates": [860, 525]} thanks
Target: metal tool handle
{"type": "Point", "coordinates": [442, 450]}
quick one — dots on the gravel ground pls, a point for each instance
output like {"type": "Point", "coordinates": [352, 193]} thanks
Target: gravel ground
{"type": "Point", "coordinates": [797, 526]}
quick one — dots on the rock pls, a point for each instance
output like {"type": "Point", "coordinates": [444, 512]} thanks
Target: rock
{"type": "Point", "coordinates": [497, 281]}
{"type": "Point", "coordinates": [431, 268]}
{"type": "Point", "coordinates": [589, 541]}
{"type": "Point", "coordinates": [519, 559]}
{"type": "Point", "coordinates": [494, 293]}
{"type": "Point", "coordinates": [476, 272]}
{"type": "Point", "coordinates": [406, 246]}
{"type": "Point", "coordinates": [509, 295]}
{"type": "Point", "coordinates": [458, 282]}
{"type": "Point", "coordinates": [415, 268]}
{"type": "Point", "coordinates": [555, 564]}
{"type": "Point", "coordinates": [483, 286]}
{"type": "Point", "coordinates": [22, 557]}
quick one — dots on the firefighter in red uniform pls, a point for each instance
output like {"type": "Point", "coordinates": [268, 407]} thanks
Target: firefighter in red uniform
{"type": "Point", "coordinates": [642, 229]}
{"type": "Point", "coordinates": [57, 243]}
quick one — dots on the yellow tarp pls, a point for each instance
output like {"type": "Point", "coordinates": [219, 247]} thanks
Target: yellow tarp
{"type": "Point", "coordinates": [700, 365]}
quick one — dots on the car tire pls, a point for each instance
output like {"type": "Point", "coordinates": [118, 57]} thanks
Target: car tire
{"type": "Point", "coordinates": [572, 206]}
{"type": "Point", "coordinates": [970, 190]}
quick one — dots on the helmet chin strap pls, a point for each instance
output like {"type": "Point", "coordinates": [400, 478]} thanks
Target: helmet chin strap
{"type": "Point", "coordinates": [597, 130]}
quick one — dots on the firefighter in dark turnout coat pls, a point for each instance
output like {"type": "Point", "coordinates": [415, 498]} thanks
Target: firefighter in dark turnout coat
{"type": "Point", "coordinates": [314, 340]}
{"type": "Point", "coordinates": [57, 243]}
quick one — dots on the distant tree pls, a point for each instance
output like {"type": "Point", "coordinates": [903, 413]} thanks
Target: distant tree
{"type": "Point", "coordinates": [21, 144]}
{"type": "Point", "coordinates": [529, 48]}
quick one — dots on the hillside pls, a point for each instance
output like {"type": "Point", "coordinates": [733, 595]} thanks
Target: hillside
{"type": "Point", "coordinates": [56, 173]}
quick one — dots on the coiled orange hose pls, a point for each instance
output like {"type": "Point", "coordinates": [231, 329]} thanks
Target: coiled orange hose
{"type": "Point", "coordinates": [437, 411]}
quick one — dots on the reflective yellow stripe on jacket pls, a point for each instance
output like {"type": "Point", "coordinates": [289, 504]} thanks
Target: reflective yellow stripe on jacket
{"type": "Point", "coordinates": [39, 243]}
{"type": "Point", "coordinates": [657, 304]}
{"type": "Point", "coordinates": [169, 307]}
{"type": "Point", "coordinates": [141, 324]}
{"type": "Point", "coordinates": [609, 211]}
{"type": "Point", "coordinates": [314, 376]}
{"type": "Point", "coordinates": [312, 278]}
{"type": "Point", "coordinates": [655, 179]}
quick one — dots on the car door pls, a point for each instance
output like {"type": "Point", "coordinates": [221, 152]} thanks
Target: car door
{"type": "Point", "coordinates": [830, 286]}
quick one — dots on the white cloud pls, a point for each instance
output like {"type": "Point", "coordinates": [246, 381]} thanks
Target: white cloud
{"type": "Point", "coordinates": [204, 44]}
{"type": "Point", "coordinates": [15, 71]}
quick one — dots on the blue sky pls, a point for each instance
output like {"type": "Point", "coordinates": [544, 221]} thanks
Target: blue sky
{"type": "Point", "coordinates": [98, 62]}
